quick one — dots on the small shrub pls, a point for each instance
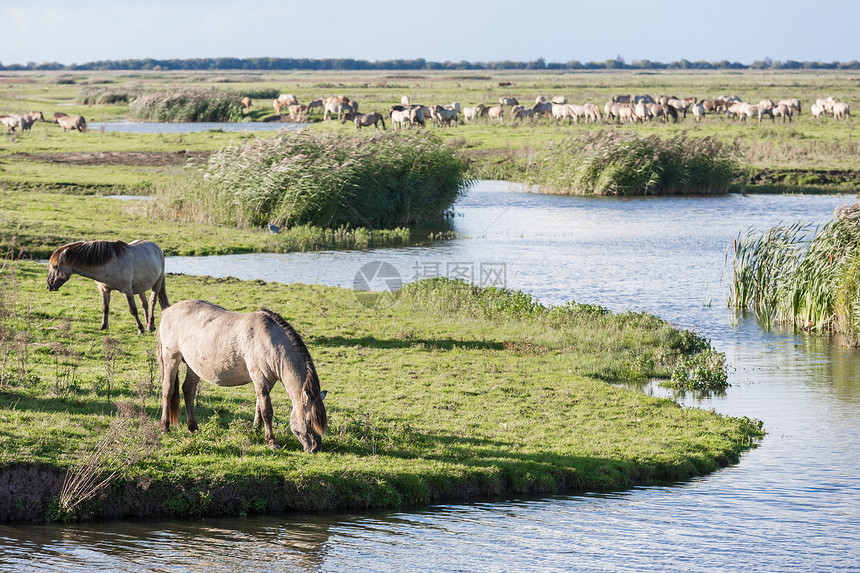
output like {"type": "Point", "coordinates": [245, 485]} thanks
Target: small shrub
{"type": "Point", "coordinates": [705, 371]}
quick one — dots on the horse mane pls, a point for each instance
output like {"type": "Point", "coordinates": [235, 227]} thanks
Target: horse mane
{"type": "Point", "coordinates": [92, 253]}
{"type": "Point", "coordinates": [311, 383]}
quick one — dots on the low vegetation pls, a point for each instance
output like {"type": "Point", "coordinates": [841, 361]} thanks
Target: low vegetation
{"type": "Point", "coordinates": [802, 276]}
{"type": "Point", "coordinates": [322, 179]}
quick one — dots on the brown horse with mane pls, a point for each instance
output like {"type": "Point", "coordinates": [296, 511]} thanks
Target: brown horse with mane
{"type": "Point", "coordinates": [130, 268]}
{"type": "Point", "coordinates": [232, 349]}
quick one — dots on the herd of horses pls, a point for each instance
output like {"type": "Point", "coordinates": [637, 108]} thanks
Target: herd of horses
{"type": "Point", "coordinates": [220, 346]}
{"type": "Point", "coordinates": [25, 121]}
{"type": "Point", "coordinates": [621, 108]}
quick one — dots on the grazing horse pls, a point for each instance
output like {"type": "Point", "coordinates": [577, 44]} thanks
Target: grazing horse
{"type": "Point", "coordinates": [130, 268]}
{"type": "Point", "coordinates": [232, 349]}
{"type": "Point", "coordinates": [314, 104]}
{"type": "Point", "coordinates": [364, 120]}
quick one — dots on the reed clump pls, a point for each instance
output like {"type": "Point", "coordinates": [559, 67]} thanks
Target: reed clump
{"type": "Point", "coordinates": [326, 180]}
{"type": "Point", "coordinates": [802, 276]}
{"type": "Point", "coordinates": [100, 95]}
{"type": "Point", "coordinates": [624, 163]}
{"type": "Point", "coordinates": [186, 106]}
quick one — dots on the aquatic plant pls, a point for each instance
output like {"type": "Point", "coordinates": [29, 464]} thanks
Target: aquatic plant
{"type": "Point", "coordinates": [100, 95]}
{"type": "Point", "coordinates": [800, 275]}
{"type": "Point", "coordinates": [322, 179]}
{"type": "Point", "coordinates": [623, 163]}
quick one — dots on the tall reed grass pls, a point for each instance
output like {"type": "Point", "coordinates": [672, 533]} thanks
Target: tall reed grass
{"type": "Point", "coordinates": [327, 180]}
{"type": "Point", "coordinates": [187, 106]}
{"type": "Point", "coordinates": [99, 95]}
{"type": "Point", "coordinates": [623, 163]}
{"type": "Point", "coordinates": [802, 276]}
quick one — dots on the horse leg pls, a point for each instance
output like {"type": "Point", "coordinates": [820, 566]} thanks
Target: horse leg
{"type": "Point", "coordinates": [169, 389]}
{"type": "Point", "coordinates": [264, 409]}
{"type": "Point", "coordinates": [153, 297]}
{"type": "Point", "coordinates": [105, 292]}
{"type": "Point", "coordinates": [146, 316]}
{"type": "Point", "coordinates": [132, 308]}
{"type": "Point", "coordinates": [189, 392]}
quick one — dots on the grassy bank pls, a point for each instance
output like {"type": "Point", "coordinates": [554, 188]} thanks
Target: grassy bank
{"type": "Point", "coordinates": [453, 393]}
{"type": "Point", "coordinates": [33, 223]}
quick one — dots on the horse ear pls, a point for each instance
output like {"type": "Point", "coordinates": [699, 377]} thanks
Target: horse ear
{"type": "Point", "coordinates": [323, 394]}
{"type": "Point", "coordinates": [305, 397]}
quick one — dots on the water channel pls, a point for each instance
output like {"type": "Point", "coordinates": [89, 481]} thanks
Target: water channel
{"type": "Point", "coordinates": [190, 127]}
{"type": "Point", "coordinates": [791, 504]}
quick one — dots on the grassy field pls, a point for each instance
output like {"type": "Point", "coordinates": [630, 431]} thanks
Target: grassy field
{"type": "Point", "coordinates": [806, 153]}
{"type": "Point", "coordinates": [452, 393]}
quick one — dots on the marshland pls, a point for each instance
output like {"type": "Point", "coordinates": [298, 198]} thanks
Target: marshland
{"type": "Point", "coordinates": [454, 395]}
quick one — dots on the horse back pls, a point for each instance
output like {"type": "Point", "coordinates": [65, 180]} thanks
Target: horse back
{"type": "Point", "coordinates": [225, 347]}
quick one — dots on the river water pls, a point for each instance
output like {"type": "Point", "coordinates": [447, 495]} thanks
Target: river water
{"type": "Point", "coordinates": [791, 504]}
{"type": "Point", "coordinates": [190, 127]}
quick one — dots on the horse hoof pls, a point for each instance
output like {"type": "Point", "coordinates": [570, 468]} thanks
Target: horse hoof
{"type": "Point", "coordinates": [274, 447]}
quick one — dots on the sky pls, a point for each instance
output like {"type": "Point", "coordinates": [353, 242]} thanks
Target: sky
{"type": "Point", "coordinates": [80, 31]}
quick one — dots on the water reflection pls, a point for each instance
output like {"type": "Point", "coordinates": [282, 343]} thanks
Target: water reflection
{"type": "Point", "coordinates": [261, 544]}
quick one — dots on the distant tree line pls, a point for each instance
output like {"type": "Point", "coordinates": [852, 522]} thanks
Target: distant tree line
{"type": "Point", "coordinates": [420, 64]}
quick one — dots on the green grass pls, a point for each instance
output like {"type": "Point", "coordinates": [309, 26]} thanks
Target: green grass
{"type": "Point", "coordinates": [454, 392]}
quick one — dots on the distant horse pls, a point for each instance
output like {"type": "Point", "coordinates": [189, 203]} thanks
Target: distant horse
{"type": "Point", "coordinates": [364, 120]}
{"type": "Point", "coordinates": [231, 349]}
{"type": "Point", "coordinates": [69, 123]}
{"type": "Point", "coordinates": [131, 268]}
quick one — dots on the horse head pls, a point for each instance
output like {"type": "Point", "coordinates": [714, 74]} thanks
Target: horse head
{"type": "Point", "coordinates": [58, 270]}
{"type": "Point", "coordinates": [308, 421]}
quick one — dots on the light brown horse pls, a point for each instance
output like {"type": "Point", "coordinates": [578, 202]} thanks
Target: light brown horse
{"type": "Point", "coordinates": [69, 123]}
{"type": "Point", "coordinates": [131, 268]}
{"type": "Point", "coordinates": [232, 349]}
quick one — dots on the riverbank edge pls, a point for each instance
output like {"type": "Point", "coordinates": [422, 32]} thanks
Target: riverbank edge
{"type": "Point", "coordinates": [29, 492]}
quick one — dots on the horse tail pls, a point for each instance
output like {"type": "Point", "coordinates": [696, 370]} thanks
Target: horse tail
{"type": "Point", "coordinates": [173, 389]}
{"type": "Point", "coordinates": [162, 294]}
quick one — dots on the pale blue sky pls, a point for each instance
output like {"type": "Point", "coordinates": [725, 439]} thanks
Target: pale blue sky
{"type": "Point", "coordinates": [439, 30]}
